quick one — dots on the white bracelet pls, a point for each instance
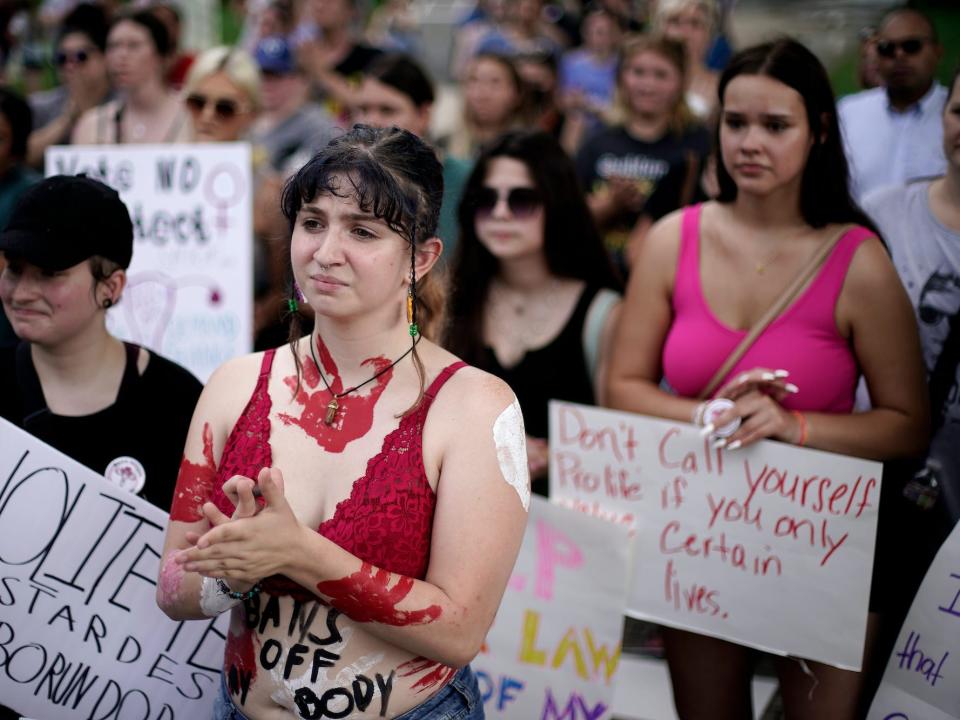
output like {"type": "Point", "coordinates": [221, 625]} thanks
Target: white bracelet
{"type": "Point", "coordinates": [213, 600]}
{"type": "Point", "coordinates": [697, 417]}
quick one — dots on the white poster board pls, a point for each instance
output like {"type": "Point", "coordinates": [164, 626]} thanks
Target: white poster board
{"type": "Point", "coordinates": [81, 635]}
{"type": "Point", "coordinates": [554, 648]}
{"type": "Point", "coordinates": [189, 294]}
{"type": "Point", "coordinates": [747, 545]}
{"type": "Point", "coordinates": [922, 679]}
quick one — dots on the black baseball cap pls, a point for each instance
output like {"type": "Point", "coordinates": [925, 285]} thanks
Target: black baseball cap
{"type": "Point", "coordinates": [65, 219]}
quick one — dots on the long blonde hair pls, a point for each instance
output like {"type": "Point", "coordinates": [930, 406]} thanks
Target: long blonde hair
{"type": "Point", "coordinates": [681, 117]}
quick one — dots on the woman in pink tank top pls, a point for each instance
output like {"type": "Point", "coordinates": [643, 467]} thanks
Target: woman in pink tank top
{"type": "Point", "coordinates": [705, 276]}
{"type": "Point", "coordinates": [357, 499]}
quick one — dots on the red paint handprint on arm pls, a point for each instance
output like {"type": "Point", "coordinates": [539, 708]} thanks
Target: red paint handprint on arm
{"type": "Point", "coordinates": [366, 596]}
{"type": "Point", "coordinates": [195, 483]}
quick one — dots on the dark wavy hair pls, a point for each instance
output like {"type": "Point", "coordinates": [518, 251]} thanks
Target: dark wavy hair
{"type": "Point", "coordinates": [395, 176]}
{"type": "Point", "coordinates": [403, 74]}
{"type": "Point", "coordinates": [20, 117]}
{"type": "Point", "coordinates": [825, 186]}
{"type": "Point", "coordinates": [571, 243]}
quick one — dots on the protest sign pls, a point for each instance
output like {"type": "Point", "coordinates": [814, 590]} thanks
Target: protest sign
{"type": "Point", "coordinates": [81, 635]}
{"type": "Point", "coordinates": [554, 649]}
{"type": "Point", "coordinates": [769, 546]}
{"type": "Point", "coordinates": [922, 677]}
{"type": "Point", "coordinates": [189, 293]}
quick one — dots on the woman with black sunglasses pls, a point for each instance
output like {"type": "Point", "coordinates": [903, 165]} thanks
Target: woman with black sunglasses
{"type": "Point", "coordinates": [222, 94]}
{"type": "Point", "coordinates": [533, 296]}
{"type": "Point", "coordinates": [82, 69]}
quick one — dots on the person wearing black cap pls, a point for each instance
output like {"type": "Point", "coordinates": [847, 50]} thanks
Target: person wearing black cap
{"type": "Point", "coordinates": [115, 407]}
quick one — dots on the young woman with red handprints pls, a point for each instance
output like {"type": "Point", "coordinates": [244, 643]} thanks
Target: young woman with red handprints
{"type": "Point", "coordinates": [707, 273]}
{"type": "Point", "coordinates": [356, 500]}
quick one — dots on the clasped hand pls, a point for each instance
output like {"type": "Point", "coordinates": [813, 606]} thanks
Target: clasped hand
{"type": "Point", "coordinates": [757, 395]}
{"type": "Point", "coordinates": [254, 543]}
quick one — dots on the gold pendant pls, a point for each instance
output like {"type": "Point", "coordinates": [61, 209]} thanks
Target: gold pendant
{"type": "Point", "coordinates": [332, 408]}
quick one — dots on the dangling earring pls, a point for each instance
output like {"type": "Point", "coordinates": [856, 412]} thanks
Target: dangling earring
{"type": "Point", "coordinates": [296, 297]}
{"type": "Point", "coordinates": [411, 301]}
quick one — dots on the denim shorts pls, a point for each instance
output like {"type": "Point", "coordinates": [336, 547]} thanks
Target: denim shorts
{"type": "Point", "coordinates": [459, 700]}
{"type": "Point", "coordinates": [223, 707]}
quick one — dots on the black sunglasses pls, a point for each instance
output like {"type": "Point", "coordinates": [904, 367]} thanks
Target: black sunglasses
{"type": "Point", "coordinates": [224, 108]}
{"type": "Point", "coordinates": [522, 201]}
{"type": "Point", "coordinates": [910, 46]}
{"type": "Point", "coordinates": [79, 57]}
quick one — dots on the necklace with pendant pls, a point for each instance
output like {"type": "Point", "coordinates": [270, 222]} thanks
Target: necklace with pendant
{"type": "Point", "coordinates": [334, 405]}
{"type": "Point", "coordinates": [762, 265]}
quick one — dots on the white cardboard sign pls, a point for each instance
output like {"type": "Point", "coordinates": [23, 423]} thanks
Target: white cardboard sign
{"type": "Point", "coordinates": [189, 292]}
{"type": "Point", "coordinates": [770, 546]}
{"type": "Point", "coordinates": [922, 679]}
{"type": "Point", "coordinates": [554, 649]}
{"type": "Point", "coordinates": [81, 635]}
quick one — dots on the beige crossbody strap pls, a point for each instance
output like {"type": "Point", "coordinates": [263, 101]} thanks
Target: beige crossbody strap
{"type": "Point", "coordinates": [787, 297]}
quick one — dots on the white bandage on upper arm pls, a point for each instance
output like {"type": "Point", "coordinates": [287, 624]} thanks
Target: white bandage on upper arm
{"type": "Point", "coordinates": [213, 600]}
{"type": "Point", "coordinates": [510, 441]}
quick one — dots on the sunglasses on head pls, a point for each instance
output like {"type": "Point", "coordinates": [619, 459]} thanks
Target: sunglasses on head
{"type": "Point", "coordinates": [522, 201]}
{"type": "Point", "coordinates": [910, 46]}
{"type": "Point", "coordinates": [223, 108]}
{"type": "Point", "coordinates": [79, 57]}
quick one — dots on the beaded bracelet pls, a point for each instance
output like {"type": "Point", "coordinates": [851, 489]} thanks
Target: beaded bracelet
{"type": "Point", "coordinates": [802, 420]}
{"type": "Point", "coordinates": [234, 595]}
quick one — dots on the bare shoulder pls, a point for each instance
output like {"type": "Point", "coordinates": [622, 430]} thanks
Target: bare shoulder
{"type": "Point", "coordinates": [231, 385]}
{"type": "Point", "coordinates": [661, 247]}
{"type": "Point", "coordinates": [471, 397]}
{"type": "Point", "coordinates": [85, 131]}
{"type": "Point", "coordinates": [665, 232]}
{"type": "Point", "coordinates": [871, 269]}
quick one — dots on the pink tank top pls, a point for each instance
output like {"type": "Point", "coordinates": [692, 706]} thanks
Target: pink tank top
{"type": "Point", "coordinates": [804, 339]}
{"type": "Point", "coordinates": [388, 518]}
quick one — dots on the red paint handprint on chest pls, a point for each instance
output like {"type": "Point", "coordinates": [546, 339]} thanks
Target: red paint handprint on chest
{"type": "Point", "coordinates": [354, 414]}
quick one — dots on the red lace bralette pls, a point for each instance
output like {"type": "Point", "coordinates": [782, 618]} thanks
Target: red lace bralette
{"type": "Point", "coordinates": [387, 519]}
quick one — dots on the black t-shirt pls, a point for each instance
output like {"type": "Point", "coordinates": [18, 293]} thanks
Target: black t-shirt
{"type": "Point", "coordinates": [667, 172]}
{"type": "Point", "coordinates": [136, 443]}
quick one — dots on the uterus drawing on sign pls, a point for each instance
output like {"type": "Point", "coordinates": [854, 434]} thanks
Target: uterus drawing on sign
{"type": "Point", "coordinates": [150, 300]}
{"type": "Point", "coordinates": [223, 188]}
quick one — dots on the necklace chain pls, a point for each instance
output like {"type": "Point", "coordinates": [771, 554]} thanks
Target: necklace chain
{"type": "Point", "coordinates": [333, 406]}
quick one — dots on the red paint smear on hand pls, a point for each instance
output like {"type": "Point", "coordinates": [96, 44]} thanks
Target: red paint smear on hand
{"type": "Point", "coordinates": [195, 483]}
{"type": "Point", "coordinates": [366, 596]}
{"type": "Point", "coordinates": [434, 674]}
{"type": "Point", "coordinates": [355, 413]}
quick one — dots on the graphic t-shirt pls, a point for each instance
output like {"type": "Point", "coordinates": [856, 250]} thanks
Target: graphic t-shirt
{"type": "Point", "coordinates": [926, 254]}
{"type": "Point", "coordinates": [666, 171]}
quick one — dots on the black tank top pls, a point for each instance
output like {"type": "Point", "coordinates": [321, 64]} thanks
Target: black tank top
{"type": "Point", "coordinates": [556, 371]}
